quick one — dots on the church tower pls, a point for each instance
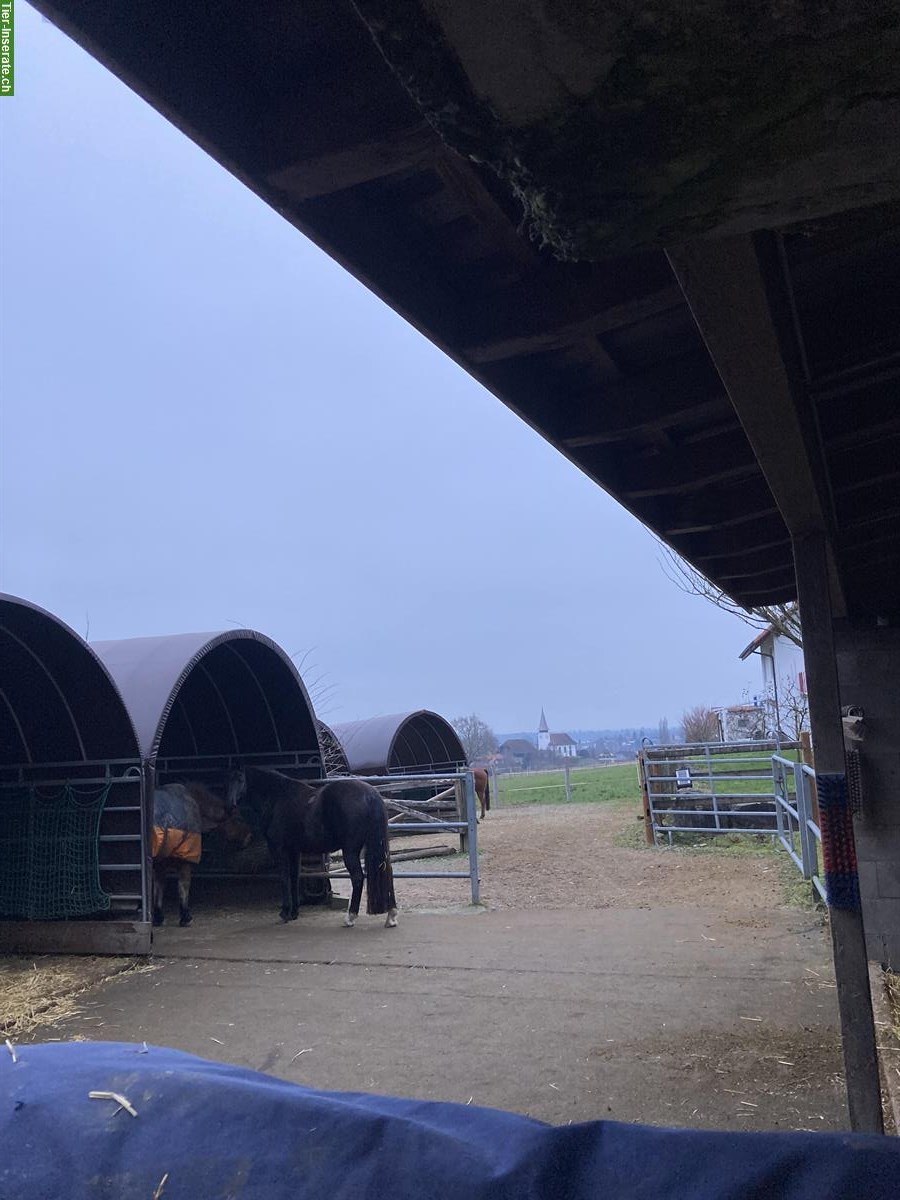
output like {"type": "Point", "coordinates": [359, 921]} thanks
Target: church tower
{"type": "Point", "coordinates": [543, 742]}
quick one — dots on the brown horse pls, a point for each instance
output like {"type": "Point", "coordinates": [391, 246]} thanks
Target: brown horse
{"type": "Point", "coordinates": [482, 788]}
{"type": "Point", "coordinates": [182, 813]}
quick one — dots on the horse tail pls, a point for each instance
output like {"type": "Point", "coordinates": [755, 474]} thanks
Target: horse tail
{"type": "Point", "coordinates": [379, 872]}
{"type": "Point", "coordinates": [487, 791]}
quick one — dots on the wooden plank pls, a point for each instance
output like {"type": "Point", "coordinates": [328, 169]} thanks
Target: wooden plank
{"type": "Point", "coordinates": [75, 937]}
{"type": "Point", "coordinates": [352, 165]}
{"type": "Point", "coordinates": [686, 390]}
{"type": "Point", "coordinates": [460, 177]}
{"type": "Point", "coordinates": [617, 316]}
{"type": "Point", "coordinates": [736, 294]}
{"type": "Point", "coordinates": [851, 968]}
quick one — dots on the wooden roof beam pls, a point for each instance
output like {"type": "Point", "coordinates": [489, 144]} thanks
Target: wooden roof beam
{"type": "Point", "coordinates": [685, 469]}
{"type": "Point", "coordinates": [687, 389]}
{"type": "Point", "coordinates": [345, 168]}
{"type": "Point", "coordinates": [735, 290]}
{"type": "Point", "coordinates": [538, 341]}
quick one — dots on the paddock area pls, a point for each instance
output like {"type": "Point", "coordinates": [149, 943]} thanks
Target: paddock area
{"type": "Point", "coordinates": [600, 978]}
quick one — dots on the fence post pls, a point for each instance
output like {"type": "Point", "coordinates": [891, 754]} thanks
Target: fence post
{"type": "Point", "coordinates": [495, 786]}
{"type": "Point", "coordinates": [472, 838]}
{"type": "Point", "coordinates": [649, 819]}
{"type": "Point", "coordinates": [568, 784]}
{"type": "Point", "coordinates": [802, 799]}
{"type": "Point", "coordinates": [778, 787]}
{"type": "Point", "coordinates": [462, 810]}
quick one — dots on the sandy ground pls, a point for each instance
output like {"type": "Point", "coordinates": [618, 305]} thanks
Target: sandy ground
{"type": "Point", "coordinates": [565, 856]}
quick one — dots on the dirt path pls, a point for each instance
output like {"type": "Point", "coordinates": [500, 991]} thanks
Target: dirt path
{"type": "Point", "coordinates": [566, 856]}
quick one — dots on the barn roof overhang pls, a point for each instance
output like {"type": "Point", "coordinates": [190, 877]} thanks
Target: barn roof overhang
{"type": "Point", "coordinates": [526, 192]}
{"type": "Point", "coordinates": [212, 694]}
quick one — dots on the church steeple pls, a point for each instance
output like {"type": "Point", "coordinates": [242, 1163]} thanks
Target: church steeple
{"type": "Point", "coordinates": [543, 738]}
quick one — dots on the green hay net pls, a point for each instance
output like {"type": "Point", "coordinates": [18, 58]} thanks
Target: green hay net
{"type": "Point", "coordinates": [50, 853]}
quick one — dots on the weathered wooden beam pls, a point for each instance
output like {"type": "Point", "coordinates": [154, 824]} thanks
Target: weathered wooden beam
{"type": "Point", "coordinates": [736, 294]}
{"type": "Point", "coordinates": [723, 282]}
{"type": "Point", "coordinates": [621, 424]}
{"type": "Point", "coordinates": [461, 178]}
{"type": "Point", "coordinates": [851, 967]}
{"type": "Point", "coordinates": [352, 165]}
{"type": "Point", "coordinates": [685, 390]}
{"type": "Point", "coordinates": [617, 316]}
{"type": "Point", "coordinates": [744, 503]}
{"type": "Point", "coordinates": [685, 469]}
{"type": "Point", "coordinates": [714, 547]}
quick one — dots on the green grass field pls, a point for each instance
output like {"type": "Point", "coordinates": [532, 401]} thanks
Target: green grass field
{"type": "Point", "coordinates": [590, 785]}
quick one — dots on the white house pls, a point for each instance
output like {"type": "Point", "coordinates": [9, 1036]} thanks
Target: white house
{"type": "Point", "coordinates": [560, 745]}
{"type": "Point", "coordinates": [783, 680]}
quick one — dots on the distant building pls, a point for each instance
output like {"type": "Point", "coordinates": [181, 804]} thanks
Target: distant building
{"type": "Point", "coordinates": [518, 752]}
{"type": "Point", "coordinates": [783, 681]}
{"type": "Point", "coordinates": [543, 737]}
{"type": "Point", "coordinates": [560, 745]}
{"type": "Point", "coordinates": [563, 746]}
{"type": "Point", "coordinates": [742, 723]}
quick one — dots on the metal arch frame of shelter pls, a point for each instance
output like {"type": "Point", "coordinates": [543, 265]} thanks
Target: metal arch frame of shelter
{"type": "Point", "coordinates": [400, 743]}
{"type": "Point", "coordinates": [155, 674]}
{"type": "Point", "coordinates": [69, 728]}
{"type": "Point", "coordinates": [247, 692]}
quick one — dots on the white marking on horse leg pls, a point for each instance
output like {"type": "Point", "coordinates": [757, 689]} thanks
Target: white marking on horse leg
{"type": "Point", "coordinates": [391, 922]}
{"type": "Point", "coordinates": [349, 920]}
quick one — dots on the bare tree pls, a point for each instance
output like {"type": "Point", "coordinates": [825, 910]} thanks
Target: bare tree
{"type": "Point", "coordinates": [663, 736]}
{"type": "Point", "coordinates": [783, 618]}
{"type": "Point", "coordinates": [477, 737]}
{"type": "Point", "coordinates": [788, 708]}
{"type": "Point", "coordinates": [700, 724]}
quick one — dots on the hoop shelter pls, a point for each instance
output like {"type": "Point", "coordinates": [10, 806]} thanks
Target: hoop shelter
{"type": "Point", "coordinates": [402, 743]}
{"type": "Point", "coordinates": [203, 703]}
{"type": "Point", "coordinates": [73, 837]}
{"type": "Point", "coordinates": [333, 757]}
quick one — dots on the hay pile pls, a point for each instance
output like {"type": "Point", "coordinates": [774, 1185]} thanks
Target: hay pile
{"type": "Point", "coordinates": [41, 990]}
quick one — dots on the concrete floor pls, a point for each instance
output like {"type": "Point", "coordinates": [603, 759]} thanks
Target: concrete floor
{"type": "Point", "coordinates": [670, 1016]}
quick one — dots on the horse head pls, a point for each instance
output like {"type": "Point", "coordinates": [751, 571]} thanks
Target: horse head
{"type": "Point", "coordinates": [235, 789]}
{"type": "Point", "coordinates": [235, 830]}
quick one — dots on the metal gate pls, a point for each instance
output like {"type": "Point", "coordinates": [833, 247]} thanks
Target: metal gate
{"type": "Point", "coordinates": [710, 788]}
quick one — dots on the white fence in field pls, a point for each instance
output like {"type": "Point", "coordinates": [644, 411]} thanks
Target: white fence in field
{"type": "Point", "coordinates": [540, 784]}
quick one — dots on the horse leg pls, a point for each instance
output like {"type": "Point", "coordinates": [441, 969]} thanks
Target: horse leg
{"type": "Point", "coordinates": [284, 864]}
{"type": "Point", "coordinates": [294, 859]}
{"type": "Point", "coordinates": [158, 893]}
{"type": "Point", "coordinates": [357, 878]}
{"type": "Point", "coordinates": [184, 893]}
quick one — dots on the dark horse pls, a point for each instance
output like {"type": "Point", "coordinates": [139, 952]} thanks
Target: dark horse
{"type": "Point", "coordinates": [182, 813]}
{"type": "Point", "coordinates": [295, 818]}
{"type": "Point", "coordinates": [482, 788]}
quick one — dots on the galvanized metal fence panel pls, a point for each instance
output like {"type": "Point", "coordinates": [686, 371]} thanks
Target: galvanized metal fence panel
{"type": "Point", "coordinates": [697, 788]}
{"type": "Point", "coordinates": [465, 825]}
{"type": "Point", "coordinates": [798, 831]}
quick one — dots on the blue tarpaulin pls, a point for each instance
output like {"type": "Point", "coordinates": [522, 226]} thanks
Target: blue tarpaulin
{"type": "Point", "coordinates": [205, 1131]}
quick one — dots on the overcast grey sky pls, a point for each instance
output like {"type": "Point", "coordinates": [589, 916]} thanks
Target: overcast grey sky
{"type": "Point", "coordinates": [207, 422]}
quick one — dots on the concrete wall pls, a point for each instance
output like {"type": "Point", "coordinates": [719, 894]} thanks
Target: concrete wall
{"type": "Point", "coordinates": [869, 671]}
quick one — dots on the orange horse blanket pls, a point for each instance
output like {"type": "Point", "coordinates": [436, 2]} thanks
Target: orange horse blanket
{"type": "Point", "coordinates": [176, 843]}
